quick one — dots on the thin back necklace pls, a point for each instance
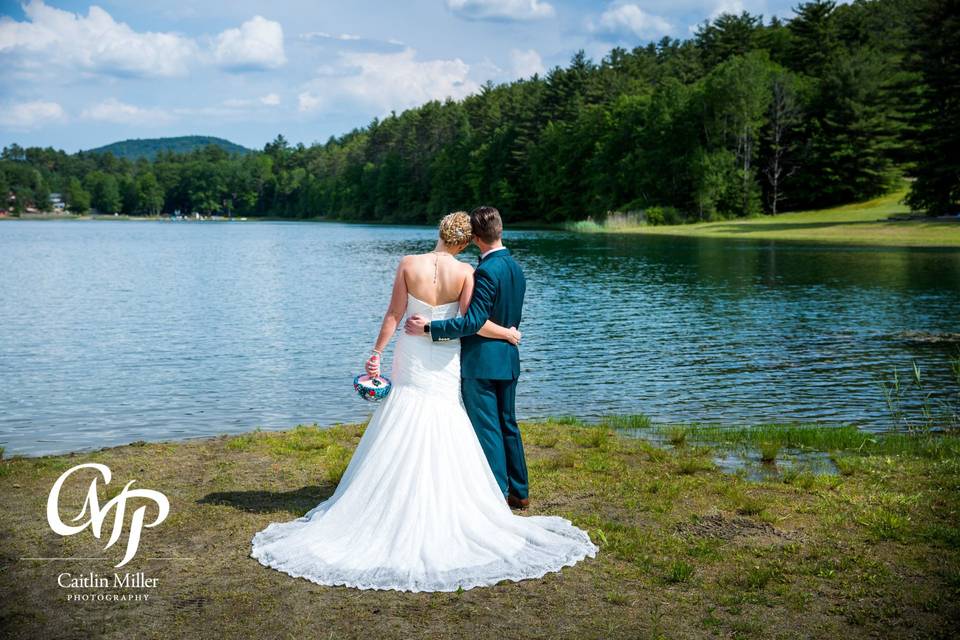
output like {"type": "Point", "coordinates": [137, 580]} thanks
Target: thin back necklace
{"type": "Point", "coordinates": [436, 263]}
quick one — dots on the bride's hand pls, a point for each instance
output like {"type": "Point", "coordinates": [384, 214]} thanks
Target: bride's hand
{"type": "Point", "coordinates": [372, 365]}
{"type": "Point", "coordinates": [515, 334]}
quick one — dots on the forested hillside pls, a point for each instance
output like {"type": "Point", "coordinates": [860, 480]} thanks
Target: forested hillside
{"type": "Point", "coordinates": [149, 147]}
{"type": "Point", "coordinates": [748, 116]}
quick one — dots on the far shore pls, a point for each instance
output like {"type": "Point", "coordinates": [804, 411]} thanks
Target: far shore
{"type": "Point", "coordinates": [526, 225]}
{"type": "Point", "coordinates": [687, 550]}
{"type": "Point", "coordinates": [882, 222]}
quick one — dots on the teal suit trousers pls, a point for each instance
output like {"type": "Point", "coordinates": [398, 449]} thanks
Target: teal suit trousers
{"type": "Point", "coordinates": [491, 407]}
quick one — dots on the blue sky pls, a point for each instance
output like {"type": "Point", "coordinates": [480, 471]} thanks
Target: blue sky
{"type": "Point", "coordinates": [77, 75]}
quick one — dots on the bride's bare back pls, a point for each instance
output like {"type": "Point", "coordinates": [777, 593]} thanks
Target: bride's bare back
{"type": "Point", "coordinates": [436, 277]}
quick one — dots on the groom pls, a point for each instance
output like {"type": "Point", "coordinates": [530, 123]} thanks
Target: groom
{"type": "Point", "coordinates": [489, 368]}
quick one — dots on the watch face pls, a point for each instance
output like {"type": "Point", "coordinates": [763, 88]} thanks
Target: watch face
{"type": "Point", "coordinates": [426, 328]}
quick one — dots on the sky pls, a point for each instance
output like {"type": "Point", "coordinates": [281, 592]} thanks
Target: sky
{"type": "Point", "coordinates": [76, 75]}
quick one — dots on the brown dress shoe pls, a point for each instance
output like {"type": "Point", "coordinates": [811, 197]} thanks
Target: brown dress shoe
{"type": "Point", "coordinates": [517, 503]}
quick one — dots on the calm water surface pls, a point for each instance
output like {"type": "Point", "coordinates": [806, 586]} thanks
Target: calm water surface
{"type": "Point", "coordinates": [118, 331]}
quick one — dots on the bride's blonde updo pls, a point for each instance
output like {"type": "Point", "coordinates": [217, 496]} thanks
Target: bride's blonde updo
{"type": "Point", "coordinates": [455, 229]}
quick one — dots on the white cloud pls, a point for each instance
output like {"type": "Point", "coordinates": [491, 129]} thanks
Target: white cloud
{"type": "Point", "coordinates": [95, 42]}
{"type": "Point", "coordinates": [524, 64]}
{"type": "Point", "coordinates": [501, 9]}
{"type": "Point", "coordinates": [312, 35]}
{"type": "Point", "coordinates": [332, 43]}
{"type": "Point", "coordinates": [389, 81]}
{"type": "Point", "coordinates": [735, 7]}
{"type": "Point", "coordinates": [268, 99]}
{"type": "Point", "coordinates": [112, 110]}
{"type": "Point", "coordinates": [727, 6]}
{"type": "Point", "coordinates": [306, 101]}
{"type": "Point", "coordinates": [29, 115]}
{"type": "Point", "coordinates": [271, 99]}
{"type": "Point", "coordinates": [629, 20]}
{"type": "Point", "coordinates": [257, 44]}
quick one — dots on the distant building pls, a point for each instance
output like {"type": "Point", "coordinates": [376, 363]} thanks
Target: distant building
{"type": "Point", "coordinates": [56, 201]}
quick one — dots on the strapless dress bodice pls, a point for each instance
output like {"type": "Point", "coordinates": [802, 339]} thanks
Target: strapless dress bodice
{"type": "Point", "coordinates": [432, 367]}
{"type": "Point", "coordinates": [435, 312]}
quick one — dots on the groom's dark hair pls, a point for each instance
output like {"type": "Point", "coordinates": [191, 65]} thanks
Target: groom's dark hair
{"type": "Point", "coordinates": [486, 224]}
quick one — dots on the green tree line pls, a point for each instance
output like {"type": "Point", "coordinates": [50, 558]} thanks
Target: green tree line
{"type": "Point", "coordinates": [745, 117]}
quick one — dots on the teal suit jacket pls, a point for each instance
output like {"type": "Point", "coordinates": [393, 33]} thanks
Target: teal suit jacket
{"type": "Point", "coordinates": [499, 286]}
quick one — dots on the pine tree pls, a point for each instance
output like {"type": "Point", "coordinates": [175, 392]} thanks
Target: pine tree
{"type": "Point", "coordinates": [937, 172]}
{"type": "Point", "coordinates": [814, 34]}
{"type": "Point", "coordinates": [727, 36]}
{"type": "Point", "coordinates": [78, 199]}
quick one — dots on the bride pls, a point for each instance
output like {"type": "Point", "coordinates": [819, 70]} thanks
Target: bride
{"type": "Point", "coordinates": [418, 508]}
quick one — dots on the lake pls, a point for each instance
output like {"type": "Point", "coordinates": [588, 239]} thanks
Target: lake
{"type": "Point", "coordinates": [116, 331]}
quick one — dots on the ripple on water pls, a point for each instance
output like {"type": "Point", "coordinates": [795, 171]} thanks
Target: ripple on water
{"type": "Point", "coordinates": [159, 330]}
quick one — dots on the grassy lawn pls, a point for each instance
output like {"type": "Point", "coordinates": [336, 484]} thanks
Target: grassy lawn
{"type": "Point", "coordinates": [862, 223]}
{"type": "Point", "coordinates": [686, 551]}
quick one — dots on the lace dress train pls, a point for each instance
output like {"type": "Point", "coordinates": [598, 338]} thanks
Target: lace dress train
{"type": "Point", "coordinates": [418, 508]}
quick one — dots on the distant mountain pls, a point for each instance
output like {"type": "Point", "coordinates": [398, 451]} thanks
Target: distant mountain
{"type": "Point", "coordinates": [150, 147]}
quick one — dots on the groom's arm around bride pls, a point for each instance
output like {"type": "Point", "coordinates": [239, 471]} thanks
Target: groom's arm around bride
{"type": "Point", "coordinates": [489, 368]}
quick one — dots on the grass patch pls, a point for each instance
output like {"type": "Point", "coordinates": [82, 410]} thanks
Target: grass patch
{"type": "Point", "coordinates": [632, 421]}
{"type": "Point", "coordinates": [564, 420]}
{"type": "Point", "coordinates": [244, 441]}
{"type": "Point", "coordinates": [677, 436]}
{"type": "Point", "coordinates": [593, 437]}
{"type": "Point", "coordinates": [847, 465]}
{"type": "Point", "coordinates": [680, 571]}
{"type": "Point", "coordinates": [799, 477]}
{"type": "Point", "coordinates": [885, 524]}
{"type": "Point", "coordinates": [758, 577]}
{"type": "Point", "coordinates": [749, 505]}
{"type": "Point", "coordinates": [684, 551]}
{"type": "Point", "coordinates": [548, 440]}
{"type": "Point", "coordinates": [769, 451]}
{"type": "Point", "coordinates": [615, 221]}
{"type": "Point", "coordinates": [863, 223]}
{"type": "Point", "coordinates": [770, 438]}
{"type": "Point", "coordinates": [336, 459]}
{"type": "Point", "coordinates": [564, 460]}
{"type": "Point", "coordinates": [691, 464]}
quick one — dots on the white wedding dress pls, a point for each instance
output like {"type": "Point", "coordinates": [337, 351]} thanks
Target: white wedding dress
{"type": "Point", "coordinates": [418, 508]}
